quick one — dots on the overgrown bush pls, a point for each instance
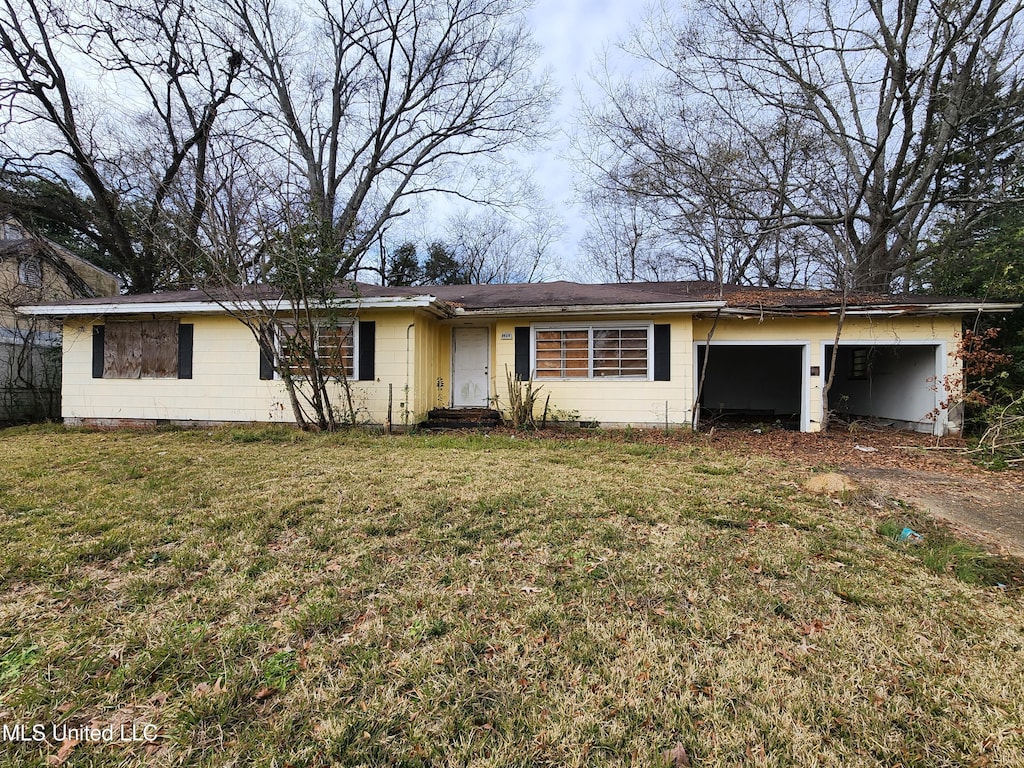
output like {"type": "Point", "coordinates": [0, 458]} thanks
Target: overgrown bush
{"type": "Point", "coordinates": [522, 401]}
{"type": "Point", "coordinates": [1003, 437]}
{"type": "Point", "coordinates": [993, 405]}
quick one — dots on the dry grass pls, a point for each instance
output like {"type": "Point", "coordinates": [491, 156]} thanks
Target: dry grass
{"type": "Point", "coordinates": [272, 598]}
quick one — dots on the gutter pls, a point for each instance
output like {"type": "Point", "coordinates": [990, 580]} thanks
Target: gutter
{"type": "Point", "coordinates": [885, 310]}
{"type": "Point", "coordinates": [429, 303]}
{"type": "Point", "coordinates": [591, 309]}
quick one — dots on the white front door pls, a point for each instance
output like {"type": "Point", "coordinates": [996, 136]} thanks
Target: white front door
{"type": "Point", "coordinates": [470, 356]}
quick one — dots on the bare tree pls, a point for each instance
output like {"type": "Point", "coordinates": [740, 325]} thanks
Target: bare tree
{"type": "Point", "coordinates": [622, 240]}
{"type": "Point", "coordinates": [370, 102]}
{"type": "Point", "coordinates": [698, 194]}
{"type": "Point", "coordinates": [494, 247]}
{"type": "Point", "coordinates": [846, 112]}
{"type": "Point", "coordinates": [353, 110]}
{"type": "Point", "coordinates": [140, 159]}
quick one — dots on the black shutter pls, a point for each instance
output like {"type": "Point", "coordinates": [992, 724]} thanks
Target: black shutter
{"type": "Point", "coordinates": [97, 351]}
{"type": "Point", "coordinates": [523, 353]}
{"type": "Point", "coordinates": [367, 351]}
{"type": "Point", "coordinates": [185, 333]}
{"type": "Point", "coordinates": [266, 353]}
{"type": "Point", "coordinates": [662, 358]}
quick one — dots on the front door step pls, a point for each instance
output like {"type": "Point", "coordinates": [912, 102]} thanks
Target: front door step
{"type": "Point", "coordinates": [462, 418]}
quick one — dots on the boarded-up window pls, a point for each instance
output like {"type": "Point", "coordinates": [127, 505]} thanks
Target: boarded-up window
{"type": "Point", "coordinates": [141, 349]}
{"type": "Point", "coordinates": [333, 345]}
{"type": "Point", "coordinates": [160, 349]}
{"type": "Point", "coordinates": [122, 351]}
{"type": "Point", "coordinates": [580, 353]}
{"type": "Point", "coordinates": [296, 345]}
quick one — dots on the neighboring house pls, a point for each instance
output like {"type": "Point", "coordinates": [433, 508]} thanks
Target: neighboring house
{"type": "Point", "coordinates": [33, 270]}
{"type": "Point", "coordinates": [629, 354]}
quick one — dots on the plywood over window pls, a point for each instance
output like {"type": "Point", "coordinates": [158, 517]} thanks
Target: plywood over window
{"type": "Point", "coordinates": [160, 349]}
{"type": "Point", "coordinates": [145, 349]}
{"type": "Point", "coordinates": [122, 351]}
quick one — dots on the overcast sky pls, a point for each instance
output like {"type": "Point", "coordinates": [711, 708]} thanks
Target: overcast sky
{"type": "Point", "coordinates": [572, 34]}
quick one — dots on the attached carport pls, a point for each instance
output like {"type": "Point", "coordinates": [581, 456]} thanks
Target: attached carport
{"type": "Point", "coordinates": [753, 382]}
{"type": "Point", "coordinates": [899, 384]}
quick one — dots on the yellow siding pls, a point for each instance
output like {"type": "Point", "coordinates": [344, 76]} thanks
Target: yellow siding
{"type": "Point", "coordinates": [432, 355]}
{"type": "Point", "coordinates": [413, 355]}
{"type": "Point", "coordinates": [102, 283]}
{"type": "Point", "coordinates": [611, 402]}
{"type": "Point", "coordinates": [225, 384]}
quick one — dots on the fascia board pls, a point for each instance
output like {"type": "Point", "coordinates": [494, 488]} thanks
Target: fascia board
{"type": "Point", "coordinates": [430, 303]}
{"type": "Point", "coordinates": [591, 309]}
{"type": "Point", "coordinates": [886, 310]}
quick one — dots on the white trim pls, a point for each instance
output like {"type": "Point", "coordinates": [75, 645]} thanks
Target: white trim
{"type": "Point", "coordinates": [209, 306]}
{"type": "Point", "coordinates": [885, 310]}
{"type": "Point", "coordinates": [941, 422]}
{"type": "Point", "coordinates": [599, 325]}
{"type": "Point", "coordinates": [805, 373]}
{"type": "Point", "coordinates": [593, 309]}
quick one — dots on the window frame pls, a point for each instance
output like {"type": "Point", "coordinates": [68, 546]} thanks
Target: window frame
{"type": "Point", "coordinates": [107, 365]}
{"type": "Point", "coordinates": [352, 324]}
{"type": "Point", "coordinates": [860, 364]}
{"type": "Point", "coordinates": [590, 327]}
{"type": "Point", "coordinates": [36, 273]}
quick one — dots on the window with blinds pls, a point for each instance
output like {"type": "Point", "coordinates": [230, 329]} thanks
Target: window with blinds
{"type": "Point", "coordinates": [592, 352]}
{"type": "Point", "coordinates": [334, 347]}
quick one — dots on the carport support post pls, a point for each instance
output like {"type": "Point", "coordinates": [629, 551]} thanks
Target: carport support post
{"type": "Point", "coordinates": [695, 421]}
{"type": "Point", "coordinates": [832, 365]}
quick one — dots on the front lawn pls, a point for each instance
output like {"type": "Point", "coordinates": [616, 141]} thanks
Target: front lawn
{"type": "Point", "coordinates": [270, 598]}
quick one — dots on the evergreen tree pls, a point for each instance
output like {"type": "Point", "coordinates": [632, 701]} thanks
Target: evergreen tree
{"type": "Point", "coordinates": [404, 266]}
{"type": "Point", "coordinates": [442, 267]}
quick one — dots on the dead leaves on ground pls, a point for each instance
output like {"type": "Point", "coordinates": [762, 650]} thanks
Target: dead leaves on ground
{"type": "Point", "coordinates": [676, 757]}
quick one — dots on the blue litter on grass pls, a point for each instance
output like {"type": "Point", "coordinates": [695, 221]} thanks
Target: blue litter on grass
{"type": "Point", "coordinates": [909, 534]}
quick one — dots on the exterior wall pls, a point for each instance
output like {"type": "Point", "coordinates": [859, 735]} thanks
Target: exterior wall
{"type": "Point", "coordinates": [102, 282]}
{"type": "Point", "coordinates": [12, 294]}
{"type": "Point", "coordinates": [432, 365]}
{"type": "Point", "coordinates": [225, 385]}
{"type": "Point", "coordinates": [819, 333]}
{"type": "Point", "coordinates": [413, 355]}
{"type": "Point", "coordinates": [610, 402]}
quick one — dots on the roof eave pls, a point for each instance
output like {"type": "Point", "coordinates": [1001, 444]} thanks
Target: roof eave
{"type": "Point", "coordinates": [886, 310]}
{"type": "Point", "coordinates": [430, 304]}
{"type": "Point", "coordinates": [591, 309]}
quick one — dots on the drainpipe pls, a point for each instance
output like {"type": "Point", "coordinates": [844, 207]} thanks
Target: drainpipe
{"type": "Point", "coordinates": [408, 345]}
